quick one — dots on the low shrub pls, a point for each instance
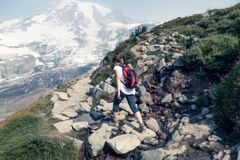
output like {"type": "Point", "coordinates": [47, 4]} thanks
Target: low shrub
{"type": "Point", "coordinates": [226, 98]}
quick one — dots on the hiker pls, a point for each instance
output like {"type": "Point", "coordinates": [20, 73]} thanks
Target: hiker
{"type": "Point", "coordinates": [127, 90]}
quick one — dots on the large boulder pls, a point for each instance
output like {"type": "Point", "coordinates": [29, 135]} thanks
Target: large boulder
{"type": "Point", "coordinates": [97, 140]}
{"type": "Point", "coordinates": [124, 143]}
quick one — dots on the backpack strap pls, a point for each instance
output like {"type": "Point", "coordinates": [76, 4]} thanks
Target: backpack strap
{"type": "Point", "coordinates": [122, 66]}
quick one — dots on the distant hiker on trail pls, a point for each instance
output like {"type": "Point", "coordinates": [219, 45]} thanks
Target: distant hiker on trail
{"type": "Point", "coordinates": [126, 79]}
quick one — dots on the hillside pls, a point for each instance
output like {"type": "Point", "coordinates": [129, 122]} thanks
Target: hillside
{"type": "Point", "coordinates": [190, 90]}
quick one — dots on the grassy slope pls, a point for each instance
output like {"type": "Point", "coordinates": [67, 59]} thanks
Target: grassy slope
{"type": "Point", "coordinates": [28, 134]}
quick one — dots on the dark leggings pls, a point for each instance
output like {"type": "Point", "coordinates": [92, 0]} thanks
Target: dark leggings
{"type": "Point", "coordinates": [130, 100]}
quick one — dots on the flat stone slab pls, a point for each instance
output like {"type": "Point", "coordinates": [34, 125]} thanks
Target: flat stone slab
{"type": "Point", "coordinates": [61, 106]}
{"type": "Point", "coordinates": [64, 126]}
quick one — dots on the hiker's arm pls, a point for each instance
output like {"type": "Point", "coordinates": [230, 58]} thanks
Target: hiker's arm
{"type": "Point", "coordinates": [117, 75]}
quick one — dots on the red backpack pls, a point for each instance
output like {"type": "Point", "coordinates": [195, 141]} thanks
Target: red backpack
{"type": "Point", "coordinates": [130, 77]}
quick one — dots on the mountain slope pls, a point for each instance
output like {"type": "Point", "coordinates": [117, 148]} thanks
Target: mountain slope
{"type": "Point", "coordinates": [72, 36]}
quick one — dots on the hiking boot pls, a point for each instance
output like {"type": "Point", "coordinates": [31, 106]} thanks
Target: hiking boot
{"type": "Point", "coordinates": [141, 127]}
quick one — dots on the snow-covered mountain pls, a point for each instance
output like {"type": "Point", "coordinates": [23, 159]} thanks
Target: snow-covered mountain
{"type": "Point", "coordinates": [72, 34]}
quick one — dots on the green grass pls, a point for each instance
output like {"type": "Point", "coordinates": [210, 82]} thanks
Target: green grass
{"type": "Point", "coordinates": [26, 136]}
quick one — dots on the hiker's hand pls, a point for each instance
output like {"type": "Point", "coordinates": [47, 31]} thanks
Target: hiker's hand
{"type": "Point", "coordinates": [119, 96]}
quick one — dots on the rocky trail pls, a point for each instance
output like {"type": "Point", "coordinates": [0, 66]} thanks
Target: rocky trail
{"type": "Point", "coordinates": [176, 127]}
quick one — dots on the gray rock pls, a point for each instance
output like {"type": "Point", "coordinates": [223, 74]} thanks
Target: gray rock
{"type": "Point", "coordinates": [64, 126]}
{"type": "Point", "coordinates": [124, 143]}
{"type": "Point", "coordinates": [98, 138]}
{"type": "Point", "coordinates": [70, 114]}
{"type": "Point", "coordinates": [78, 126]}
{"type": "Point", "coordinates": [85, 117]}
{"type": "Point", "coordinates": [69, 92]}
{"type": "Point", "coordinates": [125, 107]}
{"type": "Point", "coordinates": [54, 98]}
{"type": "Point", "coordinates": [143, 108]}
{"type": "Point", "coordinates": [131, 128]}
{"type": "Point", "coordinates": [142, 89]}
{"type": "Point", "coordinates": [76, 142]}
{"type": "Point", "coordinates": [147, 99]}
{"type": "Point", "coordinates": [153, 124]}
{"type": "Point", "coordinates": [209, 116]}
{"type": "Point", "coordinates": [151, 141]}
{"type": "Point", "coordinates": [182, 99]}
{"type": "Point", "coordinates": [161, 153]}
{"type": "Point", "coordinates": [62, 95]}
{"type": "Point", "coordinates": [109, 80]}
{"type": "Point", "coordinates": [161, 64]}
{"type": "Point", "coordinates": [90, 101]}
{"type": "Point", "coordinates": [99, 93]}
{"type": "Point", "coordinates": [110, 90]}
{"type": "Point", "coordinates": [193, 107]}
{"type": "Point", "coordinates": [83, 107]}
{"type": "Point", "coordinates": [167, 99]}
{"type": "Point", "coordinates": [60, 117]}
{"type": "Point", "coordinates": [205, 111]}
{"type": "Point", "coordinates": [105, 105]}
{"type": "Point", "coordinates": [214, 138]}
{"type": "Point", "coordinates": [176, 104]}
{"type": "Point", "coordinates": [95, 115]}
{"type": "Point", "coordinates": [178, 62]}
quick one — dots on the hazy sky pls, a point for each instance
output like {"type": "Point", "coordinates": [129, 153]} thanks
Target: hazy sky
{"type": "Point", "coordinates": [144, 10]}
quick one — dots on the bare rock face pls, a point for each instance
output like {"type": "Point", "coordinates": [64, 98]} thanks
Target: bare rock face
{"type": "Point", "coordinates": [124, 143]}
